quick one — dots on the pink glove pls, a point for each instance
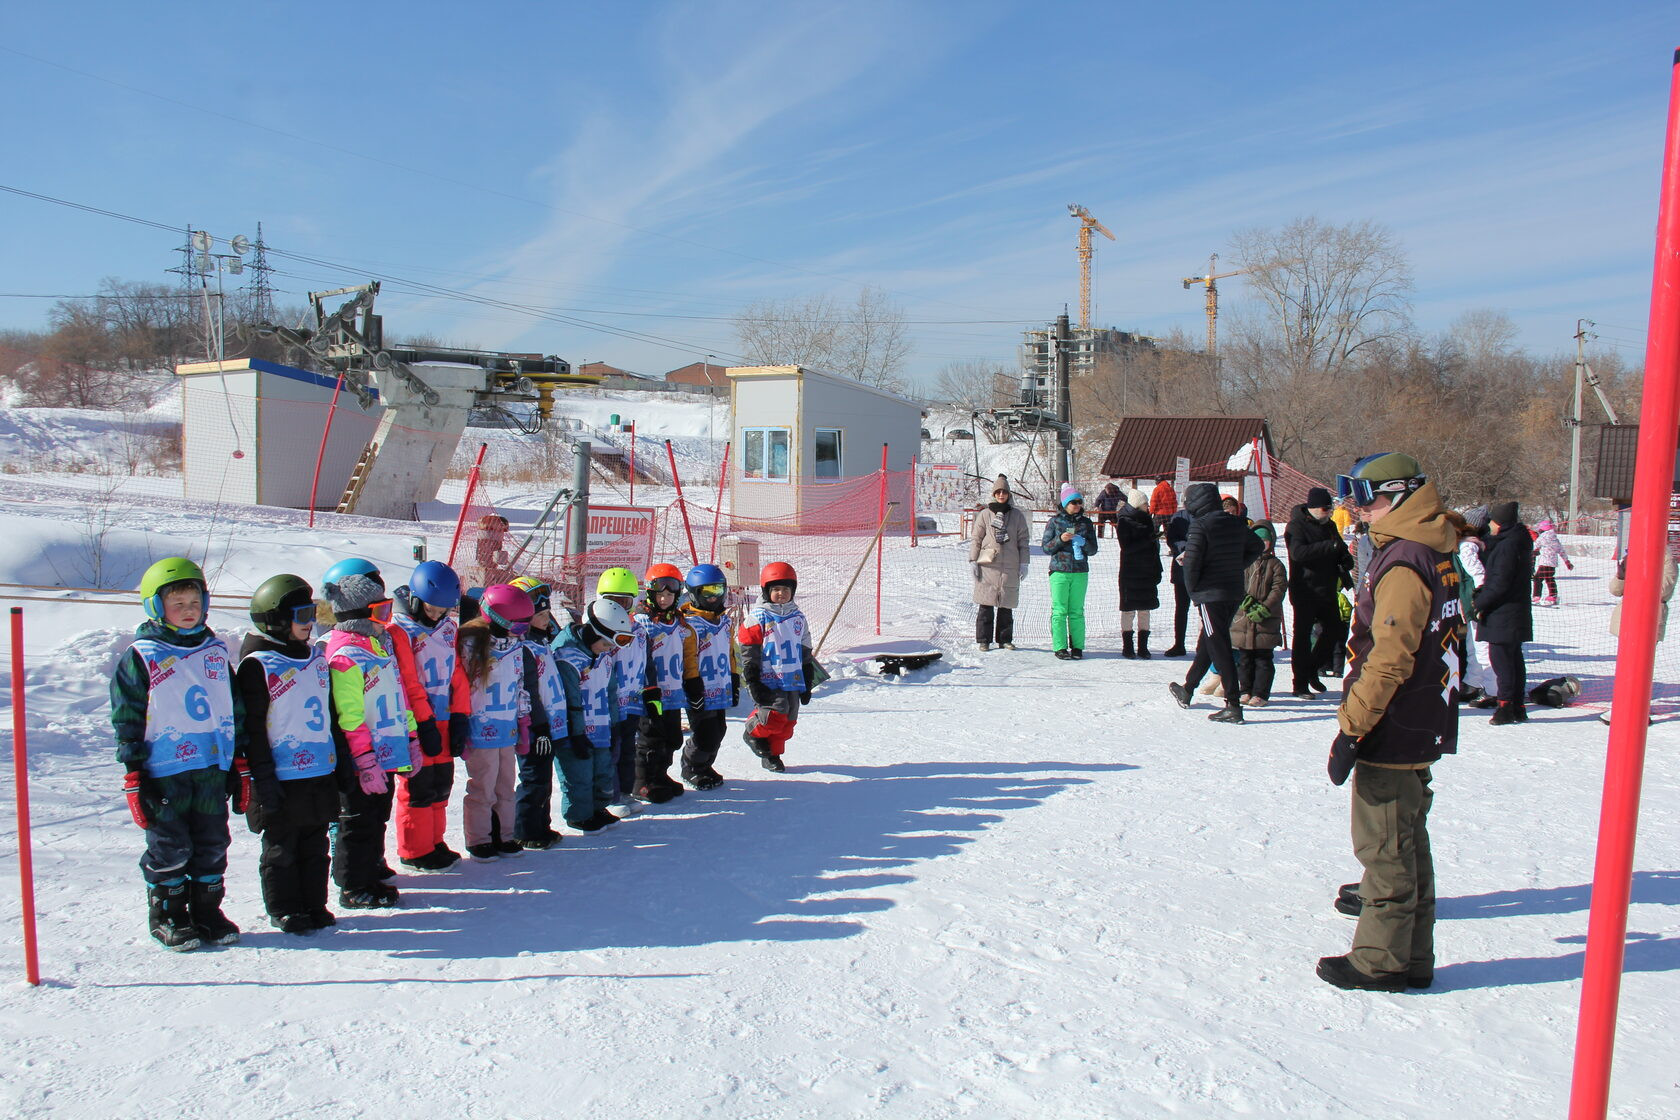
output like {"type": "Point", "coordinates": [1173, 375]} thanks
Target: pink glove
{"type": "Point", "coordinates": [369, 774]}
{"type": "Point", "coordinates": [416, 756]}
{"type": "Point", "coordinates": [524, 745]}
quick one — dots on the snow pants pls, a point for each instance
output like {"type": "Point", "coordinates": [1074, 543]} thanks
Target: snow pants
{"type": "Point", "coordinates": [294, 864]}
{"type": "Point", "coordinates": [1067, 609]}
{"type": "Point", "coordinates": [624, 756]}
{"type": "Point", "coordinates": [705, 736]}
{"type": "Point", "coordinates": [1181, 605]}
{"type": "Point", "coordinates": [358, 849]}
{"type": "Point", "coordinates": [188, 837]}
{"type": "Point", "coordinates": [1255, 671]}
{"type": "Point", "coordinates": [1506, 659]}
{"type": "Point", "coordinates": [491, 773]}
{"type": "Point", "coordinates": [423, 802]}
{"type": "Point", "coordinates": [773, 724]}
{"type": "Point", "coordinates": [657, 741]}
{"type": "Point", "coordinates": [1308, 658]}
{"type": "Point", "coordinates": [533, 815]}
{"type": "Point", "coordinates": [1545, 576]}
{"type": "Point", "coordinates": [586, 784]}
{"type": "Point", "coordinates": [1396, 931]}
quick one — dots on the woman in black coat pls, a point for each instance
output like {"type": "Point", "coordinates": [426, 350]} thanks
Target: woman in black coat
{"type": "Point", "coordinates": [1504, 611]}
{"type": "Point", "coordinates": [1140, 572]}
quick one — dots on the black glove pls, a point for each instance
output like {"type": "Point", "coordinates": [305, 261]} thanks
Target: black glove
{"type": "Point", "coordinates": [695, 690]}
{"type": "Point", "coordinates": [653, 700]}
{"type": "Point", "coordinates": [582, 748]}
{"type": "Point", "coordinates": [541, 744]}
{"type": "Point", "coordinates": [431, 743]}
{"type": "Point", "coordinates": [1342, 753]}
{"type": "Point", "coordinates": [761, 695]}
{"type": "Point", "coordinates": [270, 797]}
{"type": "Point", "coordinates": [460, 732]}
{"type": "Point", "coordinates": [805, 697]}
{"type": "Point", "coordinates": [734, 689]}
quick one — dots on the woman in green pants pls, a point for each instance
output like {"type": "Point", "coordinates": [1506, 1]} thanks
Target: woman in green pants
{"type": "Point", "coordinates": [1069, 539]}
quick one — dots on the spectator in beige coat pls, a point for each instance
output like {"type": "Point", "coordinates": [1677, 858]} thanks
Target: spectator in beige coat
{"type": "Point", "coordinates": [1618, 587]}
{"type": "Point", "coordinates": [999, 549]}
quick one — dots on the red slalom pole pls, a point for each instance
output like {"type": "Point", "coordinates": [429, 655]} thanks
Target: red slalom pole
{"type": "Point", "coordinates": [880, 541]}
{"type": "Point", "coordinates": [466, 501]}
{"type": "Point", "coordinates": [913, 541]}
{"type": "Point", "coordinates": [682, 504]}
{"type": "Point", "coordinates": [632, 427]}
{"type": "Point", "coordinates": [322, 453]}
{"type": "Point", "coordinates": [1630, 707]}
{"type": "Point", "coordinates": [20, 777]}
{"type": "Point", "coordinates": [717, 514]}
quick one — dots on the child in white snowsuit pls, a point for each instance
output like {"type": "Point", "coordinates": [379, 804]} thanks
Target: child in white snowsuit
{"type": "Point", "coordinates": [1548, 554]}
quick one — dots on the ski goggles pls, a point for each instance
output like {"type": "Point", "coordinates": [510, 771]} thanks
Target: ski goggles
{"type": "Point", "coordinates": [380, 610]}
{"type": "Point", "coordinates": [665, 583]}
{"type": "Point", "coordinates": [304, 615]}
{"type": "Point", "coordinates": [518, 629]}
{"type": "Point", "coordinates": [1363, 491]}
{"type": "Point", "coordinates": [622, 640]}
{"type": "Point", "coordinates": [711, 590]}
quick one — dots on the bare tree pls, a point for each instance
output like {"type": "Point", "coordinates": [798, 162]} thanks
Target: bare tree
{"type": "Point", "coordinates": [977, 384]}
{"type": "Point", "coordinates": [867, 341]}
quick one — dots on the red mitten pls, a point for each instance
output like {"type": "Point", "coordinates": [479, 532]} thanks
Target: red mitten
{"type": "Point", "coordinates": [136, 807]}
{"type": "Point", "coordinates": [239, 786]}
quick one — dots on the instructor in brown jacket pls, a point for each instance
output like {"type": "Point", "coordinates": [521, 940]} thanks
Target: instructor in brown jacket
{"type": "Point", "coordinates": [1399, 715]}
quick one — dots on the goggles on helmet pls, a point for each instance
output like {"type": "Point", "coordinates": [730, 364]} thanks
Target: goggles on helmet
{"type": "Point", "coordinates": [623, 639]}
{"type": "Point", "coordinates": [1364, 491]}
{"type": "Point", "coordinates": [518, 629]}
{"type": "Point", "coordinates": [380, 610]}
{"type": "Point", "coordinates": [665, 583]}
{"type": "Point", "coordinates": [303, 615]}
{"type": "Point", "coordinates": [713, 591]}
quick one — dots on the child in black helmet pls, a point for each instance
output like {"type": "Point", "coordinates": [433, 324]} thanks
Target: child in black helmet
{"type": "Point", "coordinates": [776, 665]}
{"type": "Point", "coordinates": [283, 681]}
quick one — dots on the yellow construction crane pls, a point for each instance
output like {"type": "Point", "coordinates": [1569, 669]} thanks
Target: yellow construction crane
{"type": "Point", "coordinates": [1211, 279]}
{"type": "Point", "coordinates": [1086, 224]}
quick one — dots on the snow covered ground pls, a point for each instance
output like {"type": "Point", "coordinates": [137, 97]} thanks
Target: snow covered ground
{"type": "Point", "coordinates": [1004, 886]}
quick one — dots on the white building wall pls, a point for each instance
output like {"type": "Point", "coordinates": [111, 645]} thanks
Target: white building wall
{"type": "Point", "coordinates": [292, 413]}
{"type": "Point", "coordinates": [219, 417]}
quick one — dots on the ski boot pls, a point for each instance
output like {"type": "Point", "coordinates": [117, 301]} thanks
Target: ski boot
{"type": "Point", "coordinates": [166, 916]}
{"type": "Point", "coordinates": [206, 907]}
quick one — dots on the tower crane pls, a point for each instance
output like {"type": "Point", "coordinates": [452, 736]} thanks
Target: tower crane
{"type": "Point", "coordinates": [1211, 282]}
{"type": "Point", "coordinates": [1087, 223]}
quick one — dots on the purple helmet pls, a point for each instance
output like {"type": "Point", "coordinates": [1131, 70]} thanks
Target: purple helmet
{"type": "Point", "coordinates": [508, 607]}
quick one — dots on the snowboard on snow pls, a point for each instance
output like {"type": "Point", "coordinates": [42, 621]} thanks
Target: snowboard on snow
{"type": "Point", "coordinates": [895, 657]}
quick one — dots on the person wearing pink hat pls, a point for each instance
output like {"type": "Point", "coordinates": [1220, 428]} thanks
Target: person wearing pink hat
{"type": "Point", "coordinates": [1548, 554]}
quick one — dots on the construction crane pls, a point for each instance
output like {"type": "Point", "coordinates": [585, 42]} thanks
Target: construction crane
{"type": "Point", "coordinates": [1211, 280]}
{"type": "Point", "coordinates": [1086, 224]}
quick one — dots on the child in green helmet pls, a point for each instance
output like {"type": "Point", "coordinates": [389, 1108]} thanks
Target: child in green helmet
{"type": "Point", "coordinates": [179, 722]}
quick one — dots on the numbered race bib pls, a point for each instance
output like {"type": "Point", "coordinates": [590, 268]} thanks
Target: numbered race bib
{"type": "Point", "coordinates": [298, 734]}
{"type": "Point", "coordinates": [784, 639]}
{"type": "Point", "coordinates": [714, 640]}
{"type": "Point", "coordinates": [630, 665]}
{"type": "Point", "coordinates": [434, 659]}
{"type": "Point", "coordinates": [189, 707]}
{"type": "Point", "coordinates": [665, 650]}
{"type": "Point", "coordinates": [384, 712]}
{"type": "Point", "coordinates": [495, 714]}
{"type": "Point", "coordinates": [553, 692]}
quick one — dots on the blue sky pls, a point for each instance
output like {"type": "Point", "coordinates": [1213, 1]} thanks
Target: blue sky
{"type": "Point", "coordinates": [654, 167]}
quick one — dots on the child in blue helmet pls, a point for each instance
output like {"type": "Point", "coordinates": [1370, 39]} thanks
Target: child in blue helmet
{"type": "Point", "coordinates": [179, 722]}
{"type": "Point", "coordinates": [423, 622]}
{"type": "Point", "coordinates": [720, 673]}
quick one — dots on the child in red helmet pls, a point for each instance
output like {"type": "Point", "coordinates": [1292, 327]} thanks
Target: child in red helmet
{"type": "Point", "coordinates": [776, 664]}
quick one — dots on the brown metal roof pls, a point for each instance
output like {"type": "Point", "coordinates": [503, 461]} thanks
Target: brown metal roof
{"type": "Point", "coordinates": [1149, 446]}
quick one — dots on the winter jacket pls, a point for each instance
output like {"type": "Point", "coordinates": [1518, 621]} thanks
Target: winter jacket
{"type": "Point", "coordinates": [776, 652]}
{"type": "Point", "coordinates": [1407, 637]}
{"type": "Point", "coordinates": [150, 720]}
{"type": "Point", "coordinates": [1069, 555]}
{"type": "Point", "coordinates": [1549, 551]}
{"type": "Point", "coordinates": [1618, 586]}
{"type": "Point", "coordinates": [1266, 583]}
{"type": "Point", "coordinates": [997, 580]}
{"type": "Point", "coordinates": [288, 681]}
{"type": "Point", "coordinates": [1217, 551]}
{"type": "Point", "coordinates": [1109, 500]}
{"type": "Point", "coordinates": [1319, 562]}
{"type": "Point", "coordinates": [1140, 560]}
{"type": "Point", "coordinates": [1504, 610]}
{"type": "Point", "coordinates": [1164, 501]}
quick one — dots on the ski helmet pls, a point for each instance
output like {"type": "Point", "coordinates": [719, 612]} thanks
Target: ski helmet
{"type": "Point", "coordinates": [708, 586]}
{"type": "Point", "coordinates": [609, 621]}
{"type": "Point", "coordinates": [353, 566]}
{"type": "Point", "coordinates": [171, 574]}
{"type": "Point", "coordinates": [664, 577]}
{"type": "Point", "coordinates": [1387, 472]}
{"type": "Point", "coordinates": [779, 572]}
{"type": "Point", "coordinates": [508, 608]}
{"type": "Point", "coordinates": [435, 584]}
{"type": "Point", "coordinates": [536, 589]}
{"type": "Point", "coordinates": [279, 602]}
{"type": "Point", "coordinates": [617, 581]}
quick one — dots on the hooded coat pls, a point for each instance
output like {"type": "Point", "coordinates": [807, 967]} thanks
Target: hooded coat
{"type": "Point", "coordinates": [1504, 609]}
{"type": "Point", "coordinates": [1319, 562]}
{"type": "Point", "coordinates": [1140, 560]}
{"type": "Point", "coordinates": [999, 563]}
{"type": "Point", "coordinates": [1266, 583]}
{"type": "Point", "coordinates": [1064, 556]}
{"type": "Point", "coordinates": [1218, 550]}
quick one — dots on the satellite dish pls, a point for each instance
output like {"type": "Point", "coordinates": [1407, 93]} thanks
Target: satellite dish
{"type": "Point", "coordinates": [240, 244]}
{"type": "Point", "coordinates": [201, 241]}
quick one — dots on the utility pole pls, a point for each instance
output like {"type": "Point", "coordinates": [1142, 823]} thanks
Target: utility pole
{"type": "Point", "coordinates": [1064, 401]}
{"type": "Point", "coordinates": [1581, 336]}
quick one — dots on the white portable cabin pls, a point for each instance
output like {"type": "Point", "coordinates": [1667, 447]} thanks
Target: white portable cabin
{"type": "Point", "coordinates": [793, 430]}
{"type": "Point", "coordinates": [251, 430]}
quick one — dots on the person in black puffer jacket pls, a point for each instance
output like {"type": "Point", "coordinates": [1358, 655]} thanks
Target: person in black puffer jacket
{"type": "Point", "coordinates": [1217, 552]}
{"type": "Point", "coordinates": [1319, 567]}
{"type": "Point", "coordinates": [1140, 572]}
{"type": "Point", "coordinates": [1504, 612]}
{"type": "Point", "coordinates": [1177, 533]}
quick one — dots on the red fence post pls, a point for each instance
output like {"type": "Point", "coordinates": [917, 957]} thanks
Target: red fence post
{"type": "Point", "coordinates": [466, 500]}
{"type": "Point", "coordinates": [880, 541]}
{"type": "Point", "coordinates": [682, 504]}
{"type": "Point", "coordinates": [632, 426]}
{"type": "Point", "coordinates": [913, 541]}
{"type": "Point", "coordinates": [717, 514]}
{"type": "Point", "coordinates": [326, 429]}
{"type": "Point", "coordinates": [1618, 823]}
{"type": "Point", "coordinates": [20, 778]}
